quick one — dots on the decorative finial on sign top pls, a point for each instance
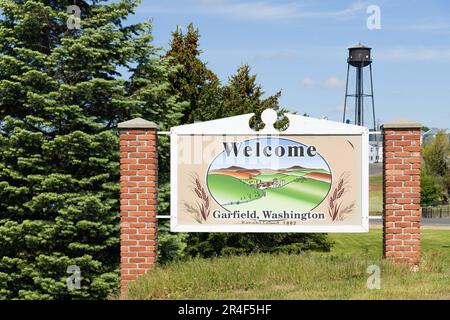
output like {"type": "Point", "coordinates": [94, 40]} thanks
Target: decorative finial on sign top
{"type": "Point", "coordinates": [269, 117]}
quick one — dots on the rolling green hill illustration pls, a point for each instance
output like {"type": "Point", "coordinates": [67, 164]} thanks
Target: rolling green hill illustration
{"type": "Point", "coordinates": [229, 189]}
{"type": "Point", "coordinates": [293, 188]}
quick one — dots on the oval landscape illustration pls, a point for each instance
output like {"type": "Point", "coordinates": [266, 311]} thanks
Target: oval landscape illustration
{"type": "Point", "coordinates": [269, 174]}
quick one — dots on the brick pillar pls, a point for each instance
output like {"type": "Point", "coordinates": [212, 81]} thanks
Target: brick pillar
{"type": "Point", "coordinates": [401, 190]}
{"type": "Point", "coordinates": [138, 198]}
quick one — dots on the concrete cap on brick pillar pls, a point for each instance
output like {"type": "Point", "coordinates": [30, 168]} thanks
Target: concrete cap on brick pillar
{"type": "Point", "coordinates": [137, 123]}
{"type": "Point", "coordinates": [401, 124]}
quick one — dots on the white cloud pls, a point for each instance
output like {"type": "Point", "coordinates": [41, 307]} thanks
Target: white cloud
{"type": "Point", "coordinates": [334, 83]}
{"type": "Point", "coordinates": [267, 10]}
{"type": "Point", "coordinates": [287, 55]}
{"type": "Point", "coordinates": [308, 82]}
{"type": "Point", "coordinates": [351, 9]}
{"type": "Point", "coordinates": [415, 54]}
{"type": "Point", "coordinates": [331, 82]}
{"type": "Point", "coordinates": [426, 26]}
{"type": "Point", "coordinates": [260, 10]}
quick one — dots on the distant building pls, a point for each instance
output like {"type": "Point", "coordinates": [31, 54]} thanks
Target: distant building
{"type": "Point", "coordinates": [375, 148]}
{"type": "Point", "coordinates": [375, 153]}
{"type": "Point", "coordinates": [275, 183]}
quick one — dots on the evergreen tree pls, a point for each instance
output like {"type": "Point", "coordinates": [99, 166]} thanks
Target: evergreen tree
{"type": "Point", "coordinates": [244, 95]}
{"type": "Point", "coordinates": [193, 82]}
{"type": "Point", "coordinates": [61, 96]}
{"type": "Point", "coordinates": [199, 86]}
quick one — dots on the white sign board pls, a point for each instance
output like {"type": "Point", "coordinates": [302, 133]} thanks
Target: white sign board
{"type": "Point", "coordinates": [312, 177]}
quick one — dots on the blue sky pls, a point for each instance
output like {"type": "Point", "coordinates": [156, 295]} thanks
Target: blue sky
{"type": "Point", "coordinates": [300, 47]}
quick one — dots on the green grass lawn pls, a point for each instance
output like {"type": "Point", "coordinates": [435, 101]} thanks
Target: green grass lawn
{"type": "Point", "coordinates": [433, 242]}
{"type": "Point", "coordinates": [340, 274]}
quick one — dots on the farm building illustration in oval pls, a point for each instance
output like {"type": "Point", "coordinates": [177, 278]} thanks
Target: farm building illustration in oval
{"type": "Point", "coordinates": [269, 174]}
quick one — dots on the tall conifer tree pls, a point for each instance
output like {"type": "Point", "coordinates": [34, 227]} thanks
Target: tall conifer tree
{"type": "Point", "coordinates": [193, 82]}
{"type": "Point", "coordinates": [243, 94]}
{"type": "Point", "coordinates": [61, 96]}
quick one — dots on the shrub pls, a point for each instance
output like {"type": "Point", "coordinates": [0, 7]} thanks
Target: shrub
{"type": "Point", "coordinates": [220, 244]}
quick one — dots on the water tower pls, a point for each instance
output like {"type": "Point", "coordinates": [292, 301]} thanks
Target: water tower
{"type": "Point", "coordinates": [359, 57]}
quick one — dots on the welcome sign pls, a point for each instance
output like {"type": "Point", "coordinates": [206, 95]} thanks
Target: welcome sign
{"type": "Point", "coordinates": [312, 177]}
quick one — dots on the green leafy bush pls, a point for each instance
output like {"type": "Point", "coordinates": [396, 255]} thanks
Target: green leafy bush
{"type": "Point", "coordinates": [430, 190]}
{"type": "Point", "coordinates": [220, 244]}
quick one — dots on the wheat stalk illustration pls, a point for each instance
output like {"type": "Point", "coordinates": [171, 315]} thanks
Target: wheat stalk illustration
{"type": "Point", "coordinates": [347, 210]}
{"type": "Point", "coordinates": [193, 211]}
{"type": "Point", "coordinates": [203, 204]}
{"type": "Point", "coordinates": [335, 203]}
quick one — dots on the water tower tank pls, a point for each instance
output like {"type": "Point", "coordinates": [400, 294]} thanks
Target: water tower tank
{"type": "Point", "coordinates": [359, 56]}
